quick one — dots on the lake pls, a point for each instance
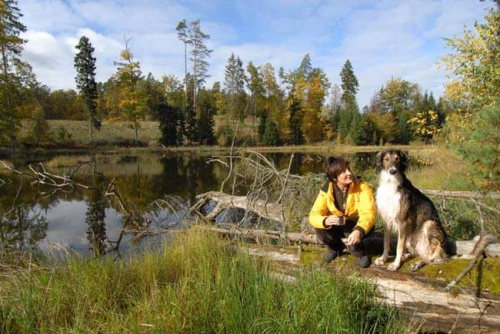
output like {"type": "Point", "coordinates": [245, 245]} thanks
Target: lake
{"type": "Point", "coordinates": [93, 222]}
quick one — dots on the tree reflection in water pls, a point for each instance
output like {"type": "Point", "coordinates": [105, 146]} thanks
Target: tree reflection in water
{"type": "Point", "coordinates": [21, 228]}
{"type": "Point", "coordinates": [94, 217]}
{"type": "Point", "coordinates": [157, 191]}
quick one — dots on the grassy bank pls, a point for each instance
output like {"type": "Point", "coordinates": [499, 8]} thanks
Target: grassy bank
{"type": "Point", "coordinates": [196, 285]}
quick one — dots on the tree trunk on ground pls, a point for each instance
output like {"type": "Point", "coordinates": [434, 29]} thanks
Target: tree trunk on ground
{"type": "Point", "coordinates": [274, 212]}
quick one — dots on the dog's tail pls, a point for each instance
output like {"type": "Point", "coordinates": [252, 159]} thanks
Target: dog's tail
{"type": "Point", "coordinates": [485, 239]}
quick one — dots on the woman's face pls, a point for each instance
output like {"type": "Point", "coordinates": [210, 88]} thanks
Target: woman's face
{"type": "Point", "coordinates": [344, 179]}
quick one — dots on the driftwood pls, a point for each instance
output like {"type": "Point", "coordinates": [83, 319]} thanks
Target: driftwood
{"type": "Point", "coordinates": [478, 252]}
{"type": "Point", "coordinates": [461, 249]}
{"type": "Point", "coordinates": [274, 211]}
{"type": "Point", "coordinates": [461, 194]}
{"type": "Point", "coordinates": [268, 210]}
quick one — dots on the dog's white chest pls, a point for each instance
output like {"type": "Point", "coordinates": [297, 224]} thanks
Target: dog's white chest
{"type": "Point", "coordinates": [388, 202]}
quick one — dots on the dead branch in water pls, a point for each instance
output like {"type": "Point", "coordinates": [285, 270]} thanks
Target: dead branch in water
{"type": "Point", "coordinates": [64, 182]}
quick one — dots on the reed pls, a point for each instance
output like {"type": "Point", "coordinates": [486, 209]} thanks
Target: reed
{"type": "Point", "coordinates": [197, 284]}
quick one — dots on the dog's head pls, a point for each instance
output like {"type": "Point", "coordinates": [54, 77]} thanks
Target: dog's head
{"type": "Point", "coordinates": [392, 161]}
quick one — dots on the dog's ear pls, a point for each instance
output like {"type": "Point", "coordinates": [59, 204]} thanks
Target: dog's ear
{"type": "Point", "coordinates": [404, 160]}
{"type": "Point", "coordinates": [380, 156]}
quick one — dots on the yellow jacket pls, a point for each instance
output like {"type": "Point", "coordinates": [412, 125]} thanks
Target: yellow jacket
{"type": "Point", "coordinates": [359, 204]}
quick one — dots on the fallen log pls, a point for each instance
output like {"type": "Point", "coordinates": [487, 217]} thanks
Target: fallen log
{"type": "Point", "coordinates": [274, 212]}
{"type": "Point", "coordinates": [269, 210]}
{"type": "Point", "coordinates": [461, 194]}
{"type": "Point", "coordinates": [461, 249]}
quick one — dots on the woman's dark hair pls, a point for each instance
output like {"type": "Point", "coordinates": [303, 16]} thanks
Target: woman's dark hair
{"type": "Point", "coordinates": [335, 166]}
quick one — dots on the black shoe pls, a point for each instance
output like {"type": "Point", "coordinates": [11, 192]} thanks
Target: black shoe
{"type": "Point", "coordinates": [364, 261]}
{"type": "Point", "coordinates": [332, 255]}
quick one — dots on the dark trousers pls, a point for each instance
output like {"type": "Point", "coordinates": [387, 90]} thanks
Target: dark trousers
{"type": "Point", "coordinates": [332, 238]}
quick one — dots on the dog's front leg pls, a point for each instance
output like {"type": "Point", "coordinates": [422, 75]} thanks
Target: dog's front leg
{"type": "Point", "coordinates": [399, 251]}
{"type": "Point", "coordinates": [387, 245]}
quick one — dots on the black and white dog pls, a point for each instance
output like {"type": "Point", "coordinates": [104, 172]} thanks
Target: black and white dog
{"type": "Point", "coordinates": [408, 212]}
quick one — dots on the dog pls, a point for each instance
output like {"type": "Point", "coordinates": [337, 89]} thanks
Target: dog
{"type": "Point", "coordinates": [406, 210]}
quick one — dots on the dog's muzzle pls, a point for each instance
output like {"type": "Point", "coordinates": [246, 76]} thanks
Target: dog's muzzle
{"type": "Point", "coordinates": [392, 170]}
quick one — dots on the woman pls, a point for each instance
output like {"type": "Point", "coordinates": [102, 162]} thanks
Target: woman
{"type": "Point", "coordinates": [345, 207]}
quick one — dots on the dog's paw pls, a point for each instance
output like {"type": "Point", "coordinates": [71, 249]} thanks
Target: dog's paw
{"type": "Point", "coordinates": [417, 265]}
{"type": "Point", "coordinates": [380, 261]}
{"type": "Point", "coordinates": [393, 266]}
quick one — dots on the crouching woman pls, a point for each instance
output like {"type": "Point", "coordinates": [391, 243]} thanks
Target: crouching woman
{"type": "Point", "coordinates": [344, 208]}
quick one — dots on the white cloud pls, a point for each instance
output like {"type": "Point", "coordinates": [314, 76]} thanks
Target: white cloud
{"type": "Point", "coordinates": [382, 39]}
{"type": "Point", "coordinates": [53, 16]}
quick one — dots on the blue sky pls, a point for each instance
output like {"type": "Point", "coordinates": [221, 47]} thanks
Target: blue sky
{"type": "Point", "coordinates": [382, 39]}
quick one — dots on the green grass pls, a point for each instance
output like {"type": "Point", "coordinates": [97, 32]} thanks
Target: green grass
{"type": "Point", "coordinates": [196, 285]}
{"type": "Point", "coordinates": [110, 132]}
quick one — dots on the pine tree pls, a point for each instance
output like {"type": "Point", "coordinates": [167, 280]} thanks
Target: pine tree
{"type": "Point", "coordinates": [262, 125]}
{"type": "Point", "coordinates": [235, 87]}
{"type": "Point", "coordinates": [169, 123]}
{"type": "Point", "coordinates": [305, 68]}
{"type": "Point", "coordinates": [271, 134]}
{"type": "Point", "coordinates": [347, 117]}
{"type": "Point", "coordinates": [182, 34]}
{"type": "Point", "coordinates": [349, 85]}
{"type": "Point", "coordinates": [206, 121]}
{"type": "Point", "coordinates": [199, 54]}
{"type": "Point", "coordinates": [85, 80]}
{"type": "Point", "coordinates": [189, 115]}
{"type": "Point", "coordinates": [296, 120]}
{"type": "Point", "coordinates": [94, 217]}
{"type": "Point", "coordinates": [11, 78]}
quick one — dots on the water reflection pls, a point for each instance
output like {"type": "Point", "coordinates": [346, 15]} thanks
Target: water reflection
{"type": "Point", "coordinates": [94, 217]}
{"type": "Point", "coordinates": [155, 191]}
{"type": "Point", "coordinates": [22, 228]}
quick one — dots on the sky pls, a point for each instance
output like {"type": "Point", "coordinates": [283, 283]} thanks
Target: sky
{"type": "Point", "coordinates": [382, 39]}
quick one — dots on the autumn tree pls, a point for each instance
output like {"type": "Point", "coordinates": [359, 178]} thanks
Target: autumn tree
{"type": "Point", "coordinates": [473, 90]}
{"type": "Point", "coordinates": [14, 72]}
{"type": "Point", "coordinates": [65, 104]}
{"type": "Point", "coordinates": [85, 65]}
{"type": "Point", "coordinates": [271, 91]}
{"type": "Point", "coordinates": [473, 66]}
{"type": "Point", "coordinates": [255, 85]}
{"type": "Point", "coordinates": [127, 78]}
{"type": "Point", "coordinates": [395, 103]}
{"type": "Point", "coordinates": [309, 86]}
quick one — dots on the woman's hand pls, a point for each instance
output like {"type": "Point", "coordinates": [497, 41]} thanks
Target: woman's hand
{"type": "Point", "coordinates": [354, 238]}
{"type": "Point", "coordinates": [334, 220]}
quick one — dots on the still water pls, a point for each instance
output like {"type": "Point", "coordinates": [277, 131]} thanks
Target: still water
{"type": "Point", "coordinates": [95, 221]}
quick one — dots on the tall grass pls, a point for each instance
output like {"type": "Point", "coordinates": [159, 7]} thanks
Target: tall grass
{"type": "Point", "coordinates": [195, 285]}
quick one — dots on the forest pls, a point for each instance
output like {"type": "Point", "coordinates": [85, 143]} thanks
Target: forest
{"type": "Point", "coordinates": [294, 107]}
